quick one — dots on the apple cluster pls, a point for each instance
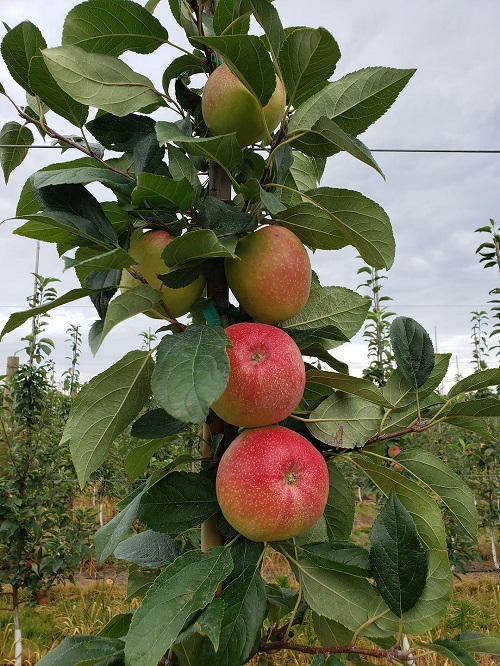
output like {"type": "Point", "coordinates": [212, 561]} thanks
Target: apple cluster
{"type": "Point", "coordinates": [272, 483]}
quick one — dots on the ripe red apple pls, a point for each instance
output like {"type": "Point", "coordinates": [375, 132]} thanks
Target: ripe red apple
{"type": "Point", "coordinates": [266, 376]}
{"type": "Point", "coordinates": [146, 249]}
{"type": "Point", "coordinates": [272, 277]}
{"type": "Point", "coordinates": [228, 106]}
{"type": "Point", "coordinates": [393, 451]}
{"type": "Point", "coordinates": [272, 484]}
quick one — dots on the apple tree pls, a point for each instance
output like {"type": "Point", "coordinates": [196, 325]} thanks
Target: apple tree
{"type": "Point", "coordinates": [182, 171]}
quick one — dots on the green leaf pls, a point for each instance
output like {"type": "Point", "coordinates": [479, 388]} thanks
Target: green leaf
{"type": "Point", "coordinates": [349, 600]}
{"type": "Point", "coordinates": [121, 134]}
{"type": "Point", "coordinates": [345, 420]}
{"type": "Point", "coordinates": [340, 556]}
{"type": "Point", "coordinates": [113, 259]}
{"type": "Point", "coordinates": [184, 64]}
{"type": "Point", "coordinates": [331, 306]}
{"type": "Point", "coordinates": [184, 16]}
{"type": "Point", "coordinates": [75, 209]}
{"type": "Point", "coordinates": [180, 166]}
{"type": "Point", "coordinates": [218, 216]}
{"type": "Point", "coordinates": [402, 394]}
{"type": "Point", "coordinates": [476, 381]}
{"type": "Point", "coordinates": [413, 350]}
{"type": "Point", "coordinates": [164, 193]}
{"type": "Point", "coordinates": [82, 171]}
{"type": "Point", "coordinates": [423, 509]}
{"type": "Point", "coordinates": [313, 226]}
{"type": "Point", "coordinates": [268, 18]}
{"type": "Point", "coordinates": [361, 388]}
{"type": "Point", "coordinates": [398, 561]}
{"type": "Point", "coordinates": [156, 424]}
{"type": "Point", "coordinates": [19, 136]}
{"type": "Point", "coordinates": [28, 203]}
{"type": "Point", "coordinates": [453, 651]}
{"type": "Point", "coordinates": [184, 587]}
{"type": "Point", "coordinates": [127, 305]}
{"type": "Point", "coordinates": [363, 223]}
{"type": "Point", "coordinates": [226, 15]}
{"type": "Point", "coordinates": [139, 457]}
{"type": "Point", "coordinates": [113, 27]}
{"type": "Point", "coordinates": [44, 85]}
{"type": "Point", "coordinates": [455, 494]}
{"type": "Point", "coordinates": [18, 47]}
{"type": "Point", "coordinates": [436, 596]}
{"type": "Point", "coordinates": [191, 372]}
{"type": "Point", "coordinates": [18, 318]}
{"type": "Point", "coordinates": [247, 57]}
{"type": "Point", "coordinates": [148, 549]}
{"type": "Point", "coordinates": [326, 138]}
{"type": "Point", "coordinates": [225, 149]}
{"type": "Point", "coordinates": [340, 506]}
{"type": "Point", "coordinates": [99, 80]}
{"type": "Point", "coordinates": [139, 582]}
{"type": "Point", "coordinates": [117, 627]}
{"type": "Point", "coordinates": [329, 632]}
{"type": "Point", "coordinates": [355, 101]}
{"type": "Point", "coordinates": [109, 536]}
{"type": "Point", "coordinates": [84, 650]}
{"type": "Point", "coordinates": [178, 502]}
{"type": "Point", "coordinates": [307, 57]}
{"type": "Point", "coordinates": [479, 644]}
{"type": "Point", "coordinates": [196, 244]}
{"type": "Point", "coordinates": [103, 408]}
{"type": "Point", "coordinates": [244, 598]}
{"type": "Point", "coordinates": [479, 408]}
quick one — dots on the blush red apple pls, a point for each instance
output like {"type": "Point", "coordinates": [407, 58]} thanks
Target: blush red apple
{"type": "Point", "coordinates": [271, 279]}
{"type": "Point", "coordinates": [272, 484]}
{"type": "Point", "coordinates": [266, 376]}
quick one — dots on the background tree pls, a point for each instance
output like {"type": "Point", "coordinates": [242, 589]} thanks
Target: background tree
{"type": "Point", "coordinates": [42, 537]}
{"type": "Point", "coordinates": [377, 329]}
{"type": "Point", "coordinates": [203, 197]}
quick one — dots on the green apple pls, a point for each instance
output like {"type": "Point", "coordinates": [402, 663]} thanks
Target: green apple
{"type": "Point", "coordinates": [147, 249]}
{"type": "Point", "coordinates": [228, 106]}
{"type": "Point", "coordinates": [272, 484]}
{"type": "Point", "coordinates": [272, 277]}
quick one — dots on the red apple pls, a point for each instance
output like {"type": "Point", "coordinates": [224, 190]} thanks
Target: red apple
{"type": "Point", "coordinates": [393, 451]}
{"type": "Point", "coordinates": [272, 484]}
{"type": "Point", "coordinates": [266, 376]}
{"type": "Point", "coordinates": [146, 249]}
{"type": "Point", "coordinates": [228, 106]}
{"type": "Point", "coordinates": [272, 277]}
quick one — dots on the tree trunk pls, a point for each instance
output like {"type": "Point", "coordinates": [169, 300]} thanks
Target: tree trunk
{"type": "Point", "coordinates": [219, 186]}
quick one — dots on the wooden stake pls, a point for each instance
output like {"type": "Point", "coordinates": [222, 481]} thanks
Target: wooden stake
{"type": "Point", "coordinates": [7, 421]}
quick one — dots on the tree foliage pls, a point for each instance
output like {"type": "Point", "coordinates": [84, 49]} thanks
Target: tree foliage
{"type": "Point", "coordinates": [152, 151]}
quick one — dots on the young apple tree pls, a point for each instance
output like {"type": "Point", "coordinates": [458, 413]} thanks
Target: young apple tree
{"type": "Point", "coordinates": [215, 174]}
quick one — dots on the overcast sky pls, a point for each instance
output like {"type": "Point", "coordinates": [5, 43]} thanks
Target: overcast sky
{"type": "Point", "coordinates": [434, 201]}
